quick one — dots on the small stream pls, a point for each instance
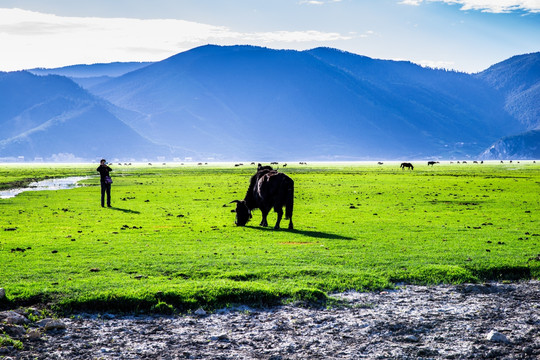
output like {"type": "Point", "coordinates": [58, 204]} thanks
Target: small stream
{"type": "Point", "coordinates": [49, 184]}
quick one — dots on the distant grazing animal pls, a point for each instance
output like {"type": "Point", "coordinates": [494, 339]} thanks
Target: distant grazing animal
{"type": "Point", "coordinates": [379, 163]}
{"type": "Point", "coordinates": [406, 165]}
{"type": "Point", "coordinates": [267, 189]}
{"type": "Point", "coordinates": [432, 163]}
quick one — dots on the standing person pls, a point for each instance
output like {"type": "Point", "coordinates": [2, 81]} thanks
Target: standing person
{"type": "Point", "coordinates": [106, 182]}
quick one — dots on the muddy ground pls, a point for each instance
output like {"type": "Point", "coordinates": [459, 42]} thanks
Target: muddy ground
{"type": "Point", "coordinates": [499, 321]}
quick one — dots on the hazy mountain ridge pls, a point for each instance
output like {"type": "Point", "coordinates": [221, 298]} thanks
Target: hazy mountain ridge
{"type": "Point", "coordinates": [246, 102]}
{"type": "Point", "coordinates": [518, 78]}
{"type": "Point", "coordinates": [91, 75]}
{"type": "Point", "coordinates": [522, 146]}
{"type": "Point", "coordinates": [51, 117]}
{"type": "Point", "coordinates": [113, 69]}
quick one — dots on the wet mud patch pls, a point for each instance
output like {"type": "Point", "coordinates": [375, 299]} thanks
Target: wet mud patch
{"type": "Point", "coordinates": [494, 320]}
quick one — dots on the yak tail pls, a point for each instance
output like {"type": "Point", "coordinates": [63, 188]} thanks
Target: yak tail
{"type": "Point", "coordinates": [289, 202]}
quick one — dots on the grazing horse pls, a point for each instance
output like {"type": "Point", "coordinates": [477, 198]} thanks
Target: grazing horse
{"type": "Point", "coordinates": [432, 163]}
{"type": "Point", "coordinates": [406, 165]}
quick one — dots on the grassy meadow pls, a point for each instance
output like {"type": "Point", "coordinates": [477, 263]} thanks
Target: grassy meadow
{"type": "Point", "coordinates": [169, 242]}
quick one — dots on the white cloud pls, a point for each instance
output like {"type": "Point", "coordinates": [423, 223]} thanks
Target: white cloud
{"type": "Point", "coordinates": [492, 6]}
{"type": "Point", "coordinates": [437, 64]}
{"type": "Point", "coordinates": [411, 2]}
{"type": "Point", "coordinates": [295, 36]}
{"type": "Point", "coordinates": [30, 39]}
{"type": "Point", "coordinates": [368, 33]}
{"type": "Point", "coordinates": [318, 2]}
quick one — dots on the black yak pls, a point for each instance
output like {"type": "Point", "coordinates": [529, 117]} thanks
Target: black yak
{"type": "Point", "coordinates": [268, 189]}
{"type": "Point", "coordinates": [432, 163]}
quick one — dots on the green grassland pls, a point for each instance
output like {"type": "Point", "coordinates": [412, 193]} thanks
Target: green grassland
{"type": "Point", "coordinates": [170, 244]}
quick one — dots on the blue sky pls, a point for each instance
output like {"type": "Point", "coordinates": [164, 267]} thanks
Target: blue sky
{"type": "Point", "coordinates": [465, 35]}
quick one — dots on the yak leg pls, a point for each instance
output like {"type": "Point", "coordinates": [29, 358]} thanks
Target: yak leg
{"type": "Point", "coordinates": [264, 222]}
{"type": "Point", "coordinates": [279, 216]}
{"type": "Point", "coordinates": [290, 223]}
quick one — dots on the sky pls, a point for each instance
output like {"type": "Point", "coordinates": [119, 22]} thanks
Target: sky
{"type": "Point", "coordinates": [463, 35]}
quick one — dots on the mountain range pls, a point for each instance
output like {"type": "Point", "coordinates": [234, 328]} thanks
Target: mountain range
{"type": "Point", "coordinates": [251, 103]}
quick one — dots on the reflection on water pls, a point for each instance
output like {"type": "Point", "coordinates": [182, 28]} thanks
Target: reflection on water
{"type": "Point", "coordinates": [50, 184]}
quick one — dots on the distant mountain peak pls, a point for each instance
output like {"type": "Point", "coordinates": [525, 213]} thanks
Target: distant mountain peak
{"type": "Point", "coordinates": [246, 102]}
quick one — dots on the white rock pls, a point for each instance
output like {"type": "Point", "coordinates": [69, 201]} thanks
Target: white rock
{"type": "Point", "coordinates": [496, 336]}
{"type": "Point", "coordinates": [411, 338]}
{"type": "Point", "coordinates": [200, 312]}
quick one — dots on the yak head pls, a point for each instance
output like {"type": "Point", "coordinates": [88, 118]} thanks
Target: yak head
{"type": "Point", "coordinates": [243, 214]}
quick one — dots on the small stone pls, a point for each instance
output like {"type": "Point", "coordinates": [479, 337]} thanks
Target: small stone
{"type": "Point", "coordinates": [496, 336]}
{"type": "Point", "coordinates": [200, 312]}
{"type": "Point", "coordinates": [411, 338]}
{"type": "Point", "coordinates": [51, 324]}
{"type": "Point", "coordinates": [42, 322]}
{"type": "Point", "coordinates": [55, 325]}
{"type": "Point", "coordinates": [33, 335]}
{"type": "Point", "coordinates": [220, 337]}
{"type": "Point", "coordinates": [15, 331]}
{"type": "Point", "coordinates": [11, 317]}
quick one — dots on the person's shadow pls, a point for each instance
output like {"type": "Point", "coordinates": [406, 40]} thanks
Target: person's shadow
{"type": "Point", "coordinates": [127, 211]}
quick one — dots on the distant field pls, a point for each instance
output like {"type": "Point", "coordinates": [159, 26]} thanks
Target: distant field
{"type": "Point", "coordinates": [170, 244]}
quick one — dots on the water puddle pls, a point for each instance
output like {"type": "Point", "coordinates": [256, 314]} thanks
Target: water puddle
{"type": "Point", "coordinates": [49, 184]}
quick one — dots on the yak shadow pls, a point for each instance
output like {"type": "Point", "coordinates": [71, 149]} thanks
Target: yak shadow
{"type": "Point", "coordinates": [308, 233]}
{"type": "Point", "coordinates": [127, 211]}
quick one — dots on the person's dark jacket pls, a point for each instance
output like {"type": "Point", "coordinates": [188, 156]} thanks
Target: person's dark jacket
{"type": "Point", "coordinates": [104, 172]}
